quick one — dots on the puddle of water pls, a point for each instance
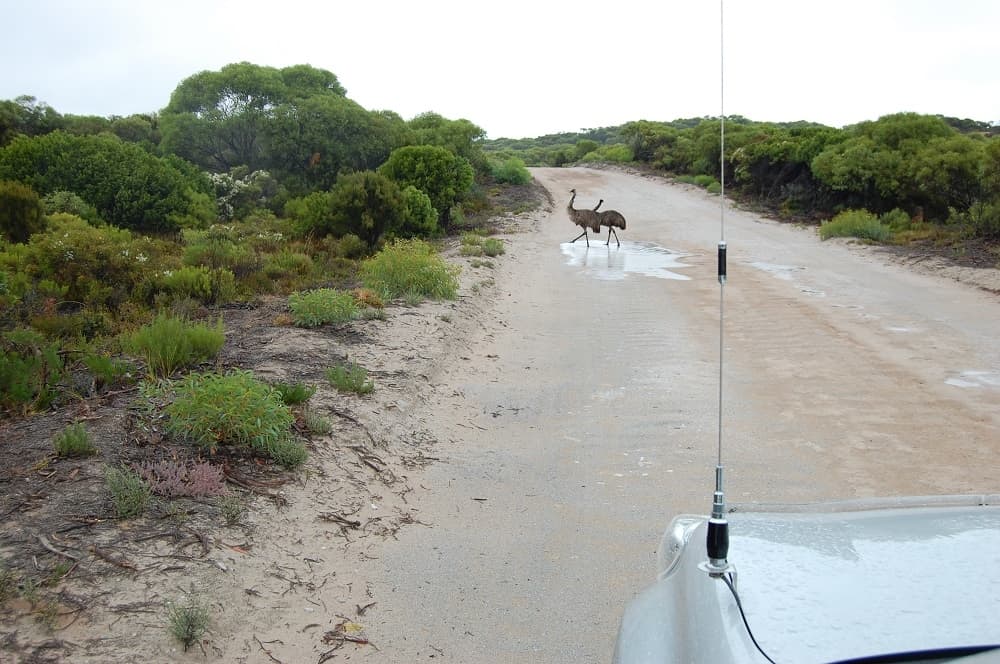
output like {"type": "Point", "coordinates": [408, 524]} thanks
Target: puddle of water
{"type": "Point", "coordinates": [780, 271]}
{"type": "Point", "coordinates": [613, 263]}
{"type": "Point", "coordinates": [975, 379]}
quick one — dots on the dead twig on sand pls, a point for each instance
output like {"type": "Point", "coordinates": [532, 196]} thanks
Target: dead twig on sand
{"type": "Point", "coordinates": [266, 651]}
{"type": "Point", "coordinates": [351, 418]}
{"type": "Point", "coordinates": [342, 521]}
{"type": "Point", "coordinates": [372, 460]}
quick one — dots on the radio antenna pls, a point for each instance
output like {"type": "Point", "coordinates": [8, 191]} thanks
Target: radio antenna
{"type": "Point", "coordinates": [718, 527]}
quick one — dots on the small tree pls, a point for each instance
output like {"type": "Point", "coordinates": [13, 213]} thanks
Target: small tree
{"type": "Point", "coordinates": [21, 211]}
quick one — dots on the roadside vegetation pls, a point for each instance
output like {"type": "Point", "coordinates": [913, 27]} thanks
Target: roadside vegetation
{"type": "Point", "coordinates": [127, 242]}
{"type": "Point", "coordinates": [937, 177]}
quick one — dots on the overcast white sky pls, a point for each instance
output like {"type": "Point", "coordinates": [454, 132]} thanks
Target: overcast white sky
{"type": "Point", "coordinates": [521, 68]}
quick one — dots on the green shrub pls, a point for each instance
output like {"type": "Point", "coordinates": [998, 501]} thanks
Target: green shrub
{"type": "Point", "coordinates": [70, 203]}
{"type": "Point", "coordinates": [350, 377]}
{"type": "Point", "coordinates": [74, 441]}
{"type": "Point", "coordinates": [30, 371]}
{"type": "Point", "coordinates": [221, 247]}
{"type": "Point", "coordinates": [896, 220]}
{"type": "Point", "coordinates": [410, 266]}
{"type": "Point", "coordinates": [106, 370]}
{"type": "Point", "coordinates": [293, 394]}
{"type": "Point", "coordinates": [471, 250]}
{"type": "Point", "coordinates": [420, 219]}
{"type": "Point", "coordinates": [21, 211]}
{"type": "Point", "coordinates": [315, 423]}
{"type": "Point", "coordinates": [322, 306]}
{"type": "Point", "coordinates": [493, 247]}
{"type": "Point", "coordinates": [169, 343]}
{"type": "Point", "coordinates": [129, 493]}
{"type": "Point", "coordinates": [981, 220]}
{"type": "Point", "coordinates": [188, 622]}
{"type": "Point", "coordinates": [705, 181]}
{"type": "Point", "coordinates": [99, 266]}
{"type": "Point", "coordinates": [197, 282]}
{"type": "Point", "coordinates": [287, 452]}
{"type": "Point", "coordinates": [211, 409]}
{"type": "Point", "coordinates": [232, 507]}
{"type": "Point", "coordinates": [511, 171]}
{"type": "Point", "coordinates": [856, 223]}
{"type": "Point", "coordinates": [287, 263]}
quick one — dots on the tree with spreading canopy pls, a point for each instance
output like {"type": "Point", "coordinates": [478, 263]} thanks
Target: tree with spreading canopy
{"type": "Point", "coordinates": [128, 186]}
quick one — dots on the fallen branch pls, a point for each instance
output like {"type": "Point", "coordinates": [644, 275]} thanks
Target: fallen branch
{"type": "Point", "coordinates": [45, 543]}
{"type": "Point", "coordinates": [119, 562]}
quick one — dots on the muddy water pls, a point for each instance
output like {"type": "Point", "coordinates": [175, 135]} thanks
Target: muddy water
{"type": "Point", "coordinates": [585, 413]}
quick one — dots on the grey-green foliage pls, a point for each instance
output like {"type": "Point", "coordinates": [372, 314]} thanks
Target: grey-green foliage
{"type": "Point", "coordinates": [130, 494]}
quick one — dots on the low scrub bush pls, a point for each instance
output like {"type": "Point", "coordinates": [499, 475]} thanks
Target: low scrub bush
{"type": "Point", "coordinates": [188, 622]}
{"type": "Point", "coordinates": [30, 371]}
{"type": "Point", "coordinates": [232, 507]}
{"type": "Point", "coordinates": [705, 181]}
{"type": "Point", "coordinates": [856, 223]}
{"type": "Point", "coordinates": [287, 263]}
{"type": "Point", "coordinates": [366, 297]}
{"type": "Point", "coordinates": [410, 266]}
{"type": "Point", "coordinates": [287, 452]}
{"type": "Point", "coordinates": [169, 343]}
{"type": "Point", "coordinates": [322, 306]}
{"type": "Point", "coordinates": [293, 394]}
{"type": "Point", "coordinates": [107, 371]}
{"type": "Point", "coordinates": [315, 423]}
{"type": "Point", "coordinates": [493, 247]}
{"type": "Point", "coordinates": [74, 441]}
{"type": "Point", "coordinates": [191, 282]}
{"type": "Point", "coordinates": [130, 494]}
{"type": "Point", "coordinates": [511, 171]}
{"type": "Point", "coordinates": [211, 409]}
{"type": "Point", "coordinates": [350, 377]}
{"type": "Point", "coordinates": [176, 478]}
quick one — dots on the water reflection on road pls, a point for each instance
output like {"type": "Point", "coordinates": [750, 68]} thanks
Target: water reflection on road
{"type": "Point", "coordinates": [612, 263]}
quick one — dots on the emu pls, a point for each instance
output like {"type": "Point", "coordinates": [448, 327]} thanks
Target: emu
{"type": "Point", "coordinates": [583, 218]}
{"type": "Point", "coordinates": [611, 219]}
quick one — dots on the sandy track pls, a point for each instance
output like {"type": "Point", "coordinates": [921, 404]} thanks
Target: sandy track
{"type": "Point", "coordinates": [583, 413]}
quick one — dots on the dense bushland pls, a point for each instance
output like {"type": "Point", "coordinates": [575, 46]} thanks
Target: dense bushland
{"type": "Point", "coordinates": [942, 173]}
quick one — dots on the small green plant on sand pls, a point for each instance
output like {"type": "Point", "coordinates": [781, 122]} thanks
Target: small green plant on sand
{"type": "Point", "coordinates": [316, 423]}
{"type": "Point", "coordinates": [232, 507]}
{"type": "Point", "coordinates": [323, 306]}
{"type": "Point", "coordinates": [493, 246]}
{"type": "Point", "coordinates": [293, 394]}
{"type": "Point", "coordinates": [188, 622]}
{"type": "Point", "coordinates": [350, 377]}
{"type": "Point", "coordinates": [74, 441]}
{"type": "Point", "coordinates": [129, 492]}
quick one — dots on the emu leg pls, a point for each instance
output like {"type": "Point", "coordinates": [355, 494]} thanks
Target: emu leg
{"type": "Point", "coordinates": [612, 229]}
{"type": "Point", "coordinates": [580, 236]}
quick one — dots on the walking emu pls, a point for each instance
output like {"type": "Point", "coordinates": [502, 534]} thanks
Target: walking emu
{"type": "Point", "coordinates": [611, 219]}
{"type": "Point", "coordinates": [583, 218]}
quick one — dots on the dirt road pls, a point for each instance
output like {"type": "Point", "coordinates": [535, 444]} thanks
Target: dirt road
{"type": "Point", "coordinates": [582, 414]}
